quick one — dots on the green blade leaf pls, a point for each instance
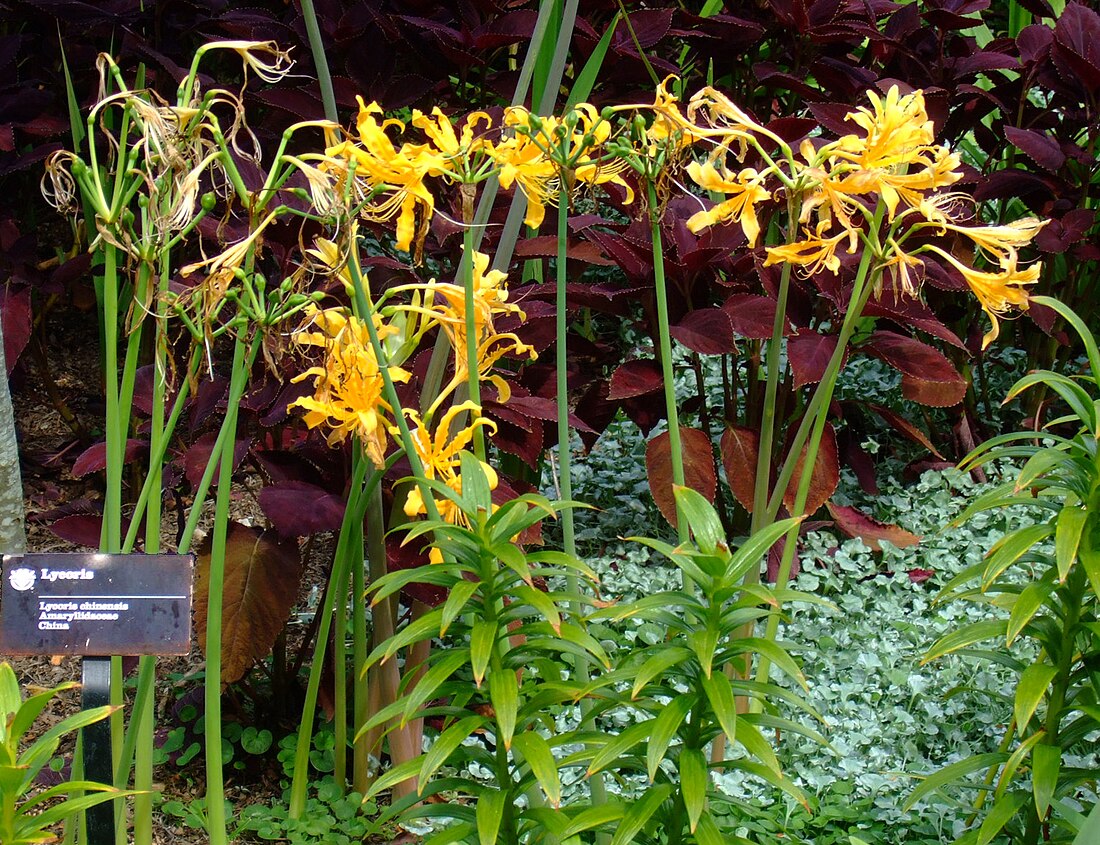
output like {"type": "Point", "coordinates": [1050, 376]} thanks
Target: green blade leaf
{"type": "Point", "coordinates": [1033, 684]}
{"type": "Point", "coordinates": [665, 658]}
{"type": "Point", "coordinates": [1025, 607]}
{"type": "Point", "coordinates": [664, 728]}
{"type": "Point", "coordinates": [999, 816]}
{"type": "Point", "coordinates": [1046, 763]}
{"type": "Point", "coordinates": [640, 813]}
{"type": "Point", "coordinates": [1090, 831]}
{"type": "Point", "coordinates": [704, 522]}
{"type": "Point", "coordinates": [950, 773]}
{"type": "Point", "coordinates": [483, 639]}
{"type": "Point", "coordinates": [456, 603]}
{"type": "Point", "coordinates": [446, 745]}
{"type": "Point", "coordinates": [438, 674]}
{"type": "Point", "coordinates": [504, 696]}
{"type": "Point", "coordinates": [536, 751]}
{"type": "Point", "coordinates": [722, 703]}
{"type": "Point", "coordinates": [694, 781]}
{"type": "Point", "coordinates": [489, 813]}
{"type": "Point", "coordinates": [1067, 537]}
{"type": "Point", "coordinates": [1010, 549]}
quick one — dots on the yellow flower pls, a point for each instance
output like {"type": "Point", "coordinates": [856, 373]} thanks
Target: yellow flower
{"type": "Point", "coordinates": [895, 158]}
{"type": "Point", "coordinates": [815, 252]}
{"type": "Point", "coordinates": [397, 174]}
{"type": "Point", "coordinates": [996, 292]}
{"type": "Point", "coordinates": [547, 150]}
{"type": "Point", "coordinates": [349, 385]}
{"type": "Point", "coordinates": [454, 151]}
{"type": "Point", "coordinates": [743, 190]}
{"type": "Point", "coordinates": [999, 242]}
{"type": "Point", "coordinates": [445, 303]}
{"type": "Point", "coordinates": [729, 122]}
{"type": "Point", "coordinates": [669, 122]}
{"type": "Point", "coordinates": [440, 455]}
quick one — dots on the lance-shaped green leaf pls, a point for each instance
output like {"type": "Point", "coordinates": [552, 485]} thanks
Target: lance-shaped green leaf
{"type": "Point", "coordinates": [483, 639]}
{"type": "Point", "coordinates": [1067, 538]}
{"type": "Point", "coordinates": [1046, 763]}
{"type": "Point", "coordinates": [489, 814]}
{"type": "Point", "coordinates": [703, 520]}
{"type": "Point", "coordinates": [456, 602]}
{"type": "Point", "coordinates": [438, 674]}
{"type": "Point", "coordinates": [594, 817]}
{"type": "Point", "coordinates": [665, 658]}
{"type": "Point", "coordinates": [617, 746]}
{"type": "Point", "coordinates": [542, 604]}
{"type": "Point", "coordinates": [986, 629]}
{"type": "Point", "coordinates": [951, 773]}
{"type": "Point", "coordinates": [536, 752]}
{"type": "Point", "coordinates": [446, 745]}
{"type": "Point", "coordinates": [664, 728]}
{"type": "Point", "coordinates": [1025, 607]}
{"type": "Point", "coordinates": [1003, 811]}
{"type": "Point", "coordinates": [1010, 549]}
{"type": "Point", "coordinates": [1033, 685]}
{"type": "Point", "coordinates": [504, 696]}
{"type": "Point", "coordinates": [694, 781]}
{"type": "Point", "coordinates": [722, 703]}
{"type": "Point", "coordinates": [1012, 765]}
{"type": "Point", "coordinates": [640, 813]}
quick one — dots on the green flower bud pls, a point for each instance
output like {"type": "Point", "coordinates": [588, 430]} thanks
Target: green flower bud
{"type": "Point", "coordinates": [208, 201]}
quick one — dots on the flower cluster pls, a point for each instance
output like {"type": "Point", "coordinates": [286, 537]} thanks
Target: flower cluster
{"type": "Point", "coordinates": [879, 188]}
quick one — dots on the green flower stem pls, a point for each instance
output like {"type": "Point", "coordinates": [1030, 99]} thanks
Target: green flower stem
{"type": "Point", "coordinates": [473, 376]}
{"type": "Point", "coordinates": [565, 481]}
{"type": "Point", "coordinates": [767, 425]}
{"type": "Point", "coordinates": [353, 512]}
{"type": "Point", "coordinates": [668, 376]}
{"type": "Point", "coordinates": [366, 314]}
{"type": "Point", "coordinates": [360, 773]}
{"type": "Point", "coordinates": [146, 715]}
{"type": "Point", "coordinates": [817, 412]}
{"type": "Point", "coordinates": [243, 352]}
{"type": "Point", "coordinates": [320, 60]}
{"type": "Point", "coordinates": [111, 541]}
{"type": "Point", "coordinates": [158, 450]}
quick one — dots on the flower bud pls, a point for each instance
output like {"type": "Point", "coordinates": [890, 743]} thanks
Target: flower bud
{"type": "Point", "coordinates": [208, 201]}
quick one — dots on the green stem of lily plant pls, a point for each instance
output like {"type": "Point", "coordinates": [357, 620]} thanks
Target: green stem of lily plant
{"type": "Point", "coordinates": [336, 593]}
{"type": "Point", "coordinates": [320, 60]}
{"type": "Point", "coordinates": [812, 427]}
{"type": "Point", "coordinates": [565, 481]}
{"type": "Point", "coordinates": [771, 390]}
{"type": "Point", "coordinates": [473, 375]}
{"type": "Point", "coordinates": [668, 375]}
{"type": "Point", "coordinates": [360, 771]}
{"type": "Point", "coordinates": [243, 355]}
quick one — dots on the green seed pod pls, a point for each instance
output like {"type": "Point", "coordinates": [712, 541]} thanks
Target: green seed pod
{"type": "Point", "coordinates": [259, 281]}
{"type": "Point", "coordinates": [208, 201]}
{"type": "Point", "coordinates": [80, 169]}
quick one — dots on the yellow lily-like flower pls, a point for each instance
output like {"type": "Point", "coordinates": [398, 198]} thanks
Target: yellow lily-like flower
{"type": "Point", "coordinates": [455, 150]}
{"type": "Point", "coordinates": [895, 159]}
{"type": "Point", "coordinates": [439, 453]}
{"type": "Point", "coordinates": [445, 303]}
{"type": "Point", "coordinates": [545, 150]}
{"type": "Point", "coordinates": [397, 173]}
{"type": "Point", "coordinates": [669, 123]}
{"type": "Point", "coordinates": [729, 122]}
{"type": "Point", "coordinates": [743, 191]}
{"type": "Point", "coordinates": [348, 395]}
{"type": "Point", "coordinates": [814, 253]}
{"type": "Point", "coordinates": [998, 243]}
{"type": "Point", "coordinates": [996, 292]}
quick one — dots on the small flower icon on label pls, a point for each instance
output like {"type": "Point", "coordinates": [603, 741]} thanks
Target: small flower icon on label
{"type": "Point", "coordinates": [22, 578]}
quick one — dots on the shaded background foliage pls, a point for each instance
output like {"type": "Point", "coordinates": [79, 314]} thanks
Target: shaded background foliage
{"type": "Point", "coordinates": [1020, 98]}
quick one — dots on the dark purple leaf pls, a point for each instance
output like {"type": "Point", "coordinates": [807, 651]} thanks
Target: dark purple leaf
{"type": "Point", "coordinates": [911, 357]}
{"type": "Point", "coordinates": [1040, 148]}
{"type": "Point", "coordinates": [708, 331]}
{"type": "Point", "coordinates": [698, 461]}
{"type": "Point", "coordinates": [198, 455]}
{"type": "Point", "coordinates": [298, 509]}
{"type": "Point", "coordinates": [753, 315]}
{"type": "Point", "coordinates": [15, 311]}
{"type": "Point", "coordinates": [94, 458]}
{"type": "Point", "coordinates": [636, 378]}
{"type": "Point", "coordinates": [809, 354]}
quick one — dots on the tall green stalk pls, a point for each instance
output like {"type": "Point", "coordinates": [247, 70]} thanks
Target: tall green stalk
{"type": "Point", "coordinates": [668, 374]}
{"type": "Point", "coordinates": [243, 355]}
